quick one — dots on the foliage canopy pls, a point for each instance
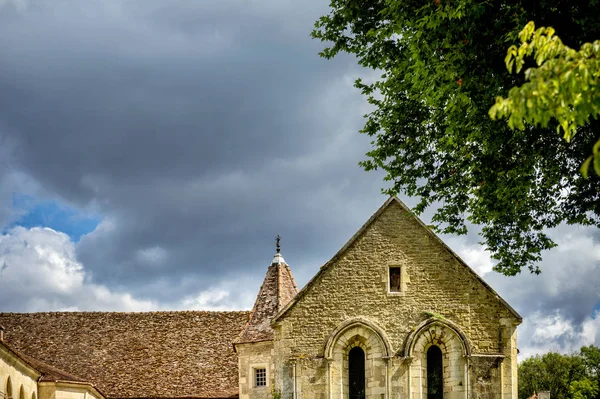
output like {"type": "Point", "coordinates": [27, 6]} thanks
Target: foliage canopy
{"type": "Point", "coordinates": [565, 85]}
{"type": "Point", "coordinates": [441, 66]}
{"type": "Point", "coordinates": [565, 376]}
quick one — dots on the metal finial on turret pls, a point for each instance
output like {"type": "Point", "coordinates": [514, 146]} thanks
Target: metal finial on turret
{"type": "Point", "coordinates": [278, 243]}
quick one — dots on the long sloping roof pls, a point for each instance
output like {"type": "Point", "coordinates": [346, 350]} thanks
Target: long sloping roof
{"type": "Point", "coordinates": [51, 373]}
{"type": "Point", "coordinates": [277, 290]}
{"type": "Point", "coordinates": [47, 372]}
{"type": "Point", "coordinates": [361, 231]}
{"type": "Point", "coordinates": [135, 355]}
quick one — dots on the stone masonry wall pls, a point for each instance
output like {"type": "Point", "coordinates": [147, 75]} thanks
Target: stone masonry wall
{"type": "Point", "coordinates": [53, 390]}
{"type": "Point", "coordinates": [251, 356]}
{"type": "Point", "coordinates": [356, 285]}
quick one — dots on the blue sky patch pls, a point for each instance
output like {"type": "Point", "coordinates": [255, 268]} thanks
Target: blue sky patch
{"type": "Point", "coordinates": [53, 214]}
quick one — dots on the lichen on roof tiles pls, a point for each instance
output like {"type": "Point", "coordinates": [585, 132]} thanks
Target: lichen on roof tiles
{"type": "Point", "coordinates": [135, 355]}
{"type": "Point", "coordinates": [278, 288]}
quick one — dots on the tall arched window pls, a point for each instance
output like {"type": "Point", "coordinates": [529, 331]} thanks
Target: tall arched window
{"type": "Point", "coordinates": [435, 373]}
{"type": "Point", "coordinates": [21, 393]}
{"type": "Point", "coordinates": [9, 389]}
{"type": "Point", "coordinates": [356, 373]}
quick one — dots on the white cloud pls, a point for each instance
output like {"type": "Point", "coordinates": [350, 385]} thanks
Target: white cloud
{"type": "Point", "coordinates": [211, 299]}
{"type": "Point", "coordinates": [551, 327]}
{"type": "Point", "coordinates": [590, 333]}
{"type": "Point", "coordinates": [40, 272]}
{"type": "Point", "coordinates": [473, 255]}
{"type": "Point", "coordinates": [559, 305]}
{"type": "Point", "coordinates": [541, 333]}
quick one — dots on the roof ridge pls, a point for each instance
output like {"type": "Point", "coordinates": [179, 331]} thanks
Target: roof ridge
{"type": "Point", "coordinates": [97, 312]}
{"type": "Point", "coordinates": [362, 229]}
{"type": "Point", "coordinates": [352, 239]}
{"type": "Point", "coordinates": [279, 276]}
{"type": "Point", "coordinates": [48, 371]}
{"type": "Point", "coordinates": [461, 261]}
{"type": "Point", "coordinates": [18, 354]}
{"type": "Point", "coordinates": [291, 276]}
{"type": "Point", "coordinates": [277, 289]}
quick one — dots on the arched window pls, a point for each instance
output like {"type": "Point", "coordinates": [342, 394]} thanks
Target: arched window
{"type": "Point", "coordinates": [21, 393]}
{"type": "Point", "coordinates": [33, 395]}
{"type": "Point", "coordinates": [356, 373]}
{"type": "Point", "coordinates": [8, 389]}
{"type": "Point", "coordinates": [435, 373]}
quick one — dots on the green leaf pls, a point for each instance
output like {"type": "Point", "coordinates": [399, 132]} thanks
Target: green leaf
{"type": "Point", "coordinates": [596, 148]}
{"type": "Point", "coordinates": [445, 103]}
{"type": "Point", "coordinates": [597, 163]}
{"type": "Point", "coordinates": [585, 167]}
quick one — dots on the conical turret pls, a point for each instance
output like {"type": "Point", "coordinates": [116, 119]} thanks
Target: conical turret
{"type": "Point", "coordinates": [277, 290]}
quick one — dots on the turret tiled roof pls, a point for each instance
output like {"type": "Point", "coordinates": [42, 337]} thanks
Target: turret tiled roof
{"type": "Point", "coordinates": [277, 290]}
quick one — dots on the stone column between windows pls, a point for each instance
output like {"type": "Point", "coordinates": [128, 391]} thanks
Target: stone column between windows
{"type": "Point", "coordinates": [388, 361]}
{"type": "Point", "coordinates": [329, 379]}
{"type": "Point", "coordinates": [466, 377]}
{"type": "Point", "coordinates": [408, 365]}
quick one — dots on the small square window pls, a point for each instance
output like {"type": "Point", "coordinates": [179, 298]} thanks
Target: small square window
{"type": "Point", "coordinates": [395, 279]}
{"type": "Point", "coordinates": [260, 377]}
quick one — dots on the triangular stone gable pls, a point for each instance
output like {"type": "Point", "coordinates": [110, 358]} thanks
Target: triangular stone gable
{"type": "Point", "coordinates": [399, 210]}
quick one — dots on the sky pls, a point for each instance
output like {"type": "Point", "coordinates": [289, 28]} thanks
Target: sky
{"type": "Point", "coordinates": [152, 150]}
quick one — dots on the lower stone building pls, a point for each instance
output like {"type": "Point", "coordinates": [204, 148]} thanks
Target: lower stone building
{"type": "Point", "coordinates": [394, 314]}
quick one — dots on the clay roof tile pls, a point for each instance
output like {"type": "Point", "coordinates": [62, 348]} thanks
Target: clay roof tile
{"type": "Point", "coordinates": [133, 355]}
{"type": "Point", "coordinates": [277, 290]}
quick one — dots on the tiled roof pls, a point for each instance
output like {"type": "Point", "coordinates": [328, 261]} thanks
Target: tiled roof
{"type": "Point", "coordinates": [134, 355]}
{"type": "Point", "coordinates": [51, 373]}
{"type": "Point", "coordinates": [277, 290]}
{"type": "Point", "coordinates": [48, 373]}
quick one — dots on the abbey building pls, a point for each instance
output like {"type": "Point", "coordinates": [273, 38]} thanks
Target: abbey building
{"type": "Point", "coordinates": [394, 314]}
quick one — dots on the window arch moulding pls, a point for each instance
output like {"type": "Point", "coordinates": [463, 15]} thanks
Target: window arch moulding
{"type": "Point", "coordinates": [333, 338]}
{"type": "Point", "coordinates": [430, 323]}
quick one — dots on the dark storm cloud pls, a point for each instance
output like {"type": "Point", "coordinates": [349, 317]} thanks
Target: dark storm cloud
{"type": "Point", "coordinates": [129, 95]}
{"type": "Point", "coordinates": [199, 130]}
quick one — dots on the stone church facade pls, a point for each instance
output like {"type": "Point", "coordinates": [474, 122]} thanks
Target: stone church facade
{"type": "Point", "coordinates": [395, 291]}
{"type": "Point", "coordinates": [394, 314]}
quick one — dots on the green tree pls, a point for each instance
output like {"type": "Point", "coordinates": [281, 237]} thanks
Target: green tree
{"type": "Point", "coordinates": [441, 67]}
{"type": "Point", "coordinates": [565, 86]}
{"type": "Point", "coordinates": [583, 389]}
{"type": "Point", "coordinates": [591, 356]}
{"type": "Point", "coordinates": [551, 372]}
